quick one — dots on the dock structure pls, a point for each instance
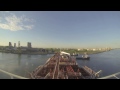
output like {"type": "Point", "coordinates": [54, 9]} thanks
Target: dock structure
{"type": "Point", "coordinates": [62, 66]}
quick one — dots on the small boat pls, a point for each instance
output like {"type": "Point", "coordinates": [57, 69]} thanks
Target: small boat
{"type": "Point", "coordinates": [83, 58]}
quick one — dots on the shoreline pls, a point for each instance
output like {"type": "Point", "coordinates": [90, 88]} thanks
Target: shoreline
{"type": "Point", "coordinates": [28, 53]}
{"type": "Point", "coordinates": [41, 53]}
{"type": "Point", "coordinates": [89, 52]}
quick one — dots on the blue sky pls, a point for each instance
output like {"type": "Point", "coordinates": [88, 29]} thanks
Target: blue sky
{"type": "Point", "coordinates": [61, 29]}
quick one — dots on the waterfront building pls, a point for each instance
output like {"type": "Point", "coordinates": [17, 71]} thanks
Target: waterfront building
{"type": "Point", "coordinates": [94, 49]}
{"type": "Point", "coordinates": [18, 43]}
{"type": "Point", "coordinates": [29, 44]}
{"type": "Point", "coordinates": [79, 49]}
{"type": "Point", "coordinates": [10, 44]}
{"type": "Point", "coordinates": [14, 45]}
{"type": "Point", "coordinates": [88, 49]}
{"type": "Point", "coordinates": [23, 48]}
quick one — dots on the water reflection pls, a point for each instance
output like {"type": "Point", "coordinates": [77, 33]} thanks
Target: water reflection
{"type": "Point", "coordinates": [19, 59]}
{"type": "Point", "coordinates": [85, 62]}
{"type": "Point", "coordinates": [29, 56]}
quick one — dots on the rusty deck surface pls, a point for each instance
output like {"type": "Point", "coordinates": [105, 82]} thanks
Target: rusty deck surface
{"type": "Point", "coordinates": [62, 66]}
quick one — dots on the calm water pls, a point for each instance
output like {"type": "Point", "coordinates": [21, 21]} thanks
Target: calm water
{"type": "Point", "coordinates": [108, 62]}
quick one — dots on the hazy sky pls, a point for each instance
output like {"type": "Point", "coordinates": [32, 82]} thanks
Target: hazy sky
{"type": "Point", "coordinates": [61, 29]}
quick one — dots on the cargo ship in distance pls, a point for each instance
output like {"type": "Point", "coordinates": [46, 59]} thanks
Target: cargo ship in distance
{"type": "Point", "coordinates": [63, 66]}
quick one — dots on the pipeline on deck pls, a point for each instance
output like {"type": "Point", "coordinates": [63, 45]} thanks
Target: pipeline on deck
{"type": "Point", "coordinates": [62, 66]}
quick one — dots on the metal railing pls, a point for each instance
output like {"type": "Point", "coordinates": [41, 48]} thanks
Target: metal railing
{"type": "Point", "coordinates": [109, 76]}
{"type": "Point", "coordinates": [55, 69]}
{"type": "Point", "coordinates": [12, 75]}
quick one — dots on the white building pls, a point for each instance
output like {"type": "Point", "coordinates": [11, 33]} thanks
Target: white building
{"type": "Point", "coordinates": [78, 49]}
{"type": "Point", "coordinates": [88, 49]}
{"type": "Point", "coordinates": [94, 49]}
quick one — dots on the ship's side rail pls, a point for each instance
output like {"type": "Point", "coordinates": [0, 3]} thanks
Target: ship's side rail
{"type": "Point", "coordinates": [110, 76]}
{"type": "Point", "coordinates": [12, 75]}
{"type": "Point", "coordinates": [89, 70]}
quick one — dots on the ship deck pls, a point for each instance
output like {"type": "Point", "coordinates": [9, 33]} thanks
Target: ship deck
{"type": "Point", "coordinates": [62, 66]}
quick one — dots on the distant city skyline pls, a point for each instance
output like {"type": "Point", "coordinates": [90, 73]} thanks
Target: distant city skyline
{"type": "Point", "coordinates": [29, 44]}
{"type": "Point", "coordinates": [61, 29]}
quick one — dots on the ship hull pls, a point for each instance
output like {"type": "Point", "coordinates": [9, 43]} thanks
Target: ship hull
{"type": "Point", "coordinates": [81, 58]}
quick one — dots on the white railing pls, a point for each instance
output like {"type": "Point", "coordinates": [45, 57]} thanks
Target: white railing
{"type": "Point", "coordinates": [47, 75]}
{"type": "Point", "coordinates": [12, 75]}
{"type": "Point", "coordinates": [113, 75]}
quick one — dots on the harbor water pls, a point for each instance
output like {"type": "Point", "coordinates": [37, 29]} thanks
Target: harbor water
{"type": "Point", "coordinates": [108, 62]}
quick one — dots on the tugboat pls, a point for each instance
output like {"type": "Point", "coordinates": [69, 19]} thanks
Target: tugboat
{"type": "Point", "coordinates": [84, 57]}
